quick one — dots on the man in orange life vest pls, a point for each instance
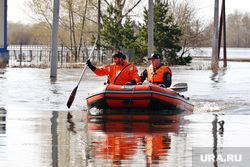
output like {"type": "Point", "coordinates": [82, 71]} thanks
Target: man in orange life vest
{"type": "Point", "coordinates": [119, 73]}
{"type": "Point", "coordinates": [157, 73]}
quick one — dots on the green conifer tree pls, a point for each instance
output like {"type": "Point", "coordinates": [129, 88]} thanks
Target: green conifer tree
{"type": "Point", "coordinates": [110, 29]}
{"type": "Point", "coordinates": [114, 34]}
{"type": "Point", "coordinates": [166, 32]}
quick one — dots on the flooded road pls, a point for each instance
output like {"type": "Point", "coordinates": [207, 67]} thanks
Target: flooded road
{"type": "Point", "coordinates": [37, 128]}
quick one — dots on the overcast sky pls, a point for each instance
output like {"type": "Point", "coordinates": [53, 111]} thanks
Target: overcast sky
{"type": "Point", "coordinates": [16, 14]}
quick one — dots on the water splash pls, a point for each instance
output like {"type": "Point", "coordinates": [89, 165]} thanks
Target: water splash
{"type": "Point", "coordinates": [202, 107]}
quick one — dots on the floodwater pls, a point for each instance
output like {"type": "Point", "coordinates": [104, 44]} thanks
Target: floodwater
{"type": "Point", "coordinates": [36, 128]}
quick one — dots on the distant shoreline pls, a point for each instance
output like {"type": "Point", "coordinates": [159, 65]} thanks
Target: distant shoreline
{"type": "Point", "coordinates": [221, 59]}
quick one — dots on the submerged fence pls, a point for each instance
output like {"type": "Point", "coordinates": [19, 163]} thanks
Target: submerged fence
{"type": "Point", "coordinates": [39, 56]}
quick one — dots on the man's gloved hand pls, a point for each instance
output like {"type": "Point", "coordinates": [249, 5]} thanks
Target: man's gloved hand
{"type": "Point", "coordinates": [133, 82]}
{"type": "Point", "coordinates": [88, 63]}
{"type": "Point", "coordinates": [128, 83]}
{"type": "Point", "coordinates": [139, 83]}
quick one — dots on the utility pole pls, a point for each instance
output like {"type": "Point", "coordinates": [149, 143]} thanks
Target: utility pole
{"type": "Point", "coordinates": [4, 53]}
{"type": "Point", "coordinates": [215, 59]}
{"type": "Point", "coordinates": [98, 22]}
{"type": "Point", "coordinates": [53, 68]}
{"type": "Point", "coordinates": [150, 28]}
{"type": "Point", "coordinates": [223, 24]}
{"type": "Point", "coordinates": [224, 34]}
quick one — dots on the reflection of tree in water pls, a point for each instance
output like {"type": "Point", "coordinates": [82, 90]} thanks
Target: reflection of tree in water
{"type": "Point", "coordinates": [125, 138]}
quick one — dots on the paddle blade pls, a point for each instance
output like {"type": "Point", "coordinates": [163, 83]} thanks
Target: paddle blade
{"type": "Point", "coordinates": [72, 97]}
{"type": "Point", "coordinates": [180, 87]}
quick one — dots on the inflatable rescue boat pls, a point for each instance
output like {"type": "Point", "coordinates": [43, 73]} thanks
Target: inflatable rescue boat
{"type": "Point", "coordinates": [150, 97]}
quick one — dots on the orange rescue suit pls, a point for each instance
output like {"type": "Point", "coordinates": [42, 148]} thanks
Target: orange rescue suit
{"type": "Point", "coordinates": [155, 76]}
{"type": "Point", "coordinates": [119, 74]}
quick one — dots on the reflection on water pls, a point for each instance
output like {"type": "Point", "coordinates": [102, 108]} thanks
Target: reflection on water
{"type": "Point", "coordinates": [215, 145]}
{"type": "Point", "coordinates": [37, 128]}
{"type": "Point", "coordinates": [132, 139]}
{"type": "Point", "coordinates": [3, 113]}
{"type": "Point", "coordinates": [54, 138]}
{"type": "Point", "coordinates": [62, 138]}
{"type": "Point", "coordinates": [217, 77]}
{"type": "Point", "coordinates": [3, 141]}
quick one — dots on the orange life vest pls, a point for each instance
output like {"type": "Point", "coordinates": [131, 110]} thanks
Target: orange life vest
{"type": "Point", "coordinates": [156, 77]}
{"type": "Point", "coordinates": [119, 74]}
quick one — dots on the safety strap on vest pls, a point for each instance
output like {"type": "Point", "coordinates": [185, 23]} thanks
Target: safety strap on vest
{"type": "Point", "coordinates": [121, 72]}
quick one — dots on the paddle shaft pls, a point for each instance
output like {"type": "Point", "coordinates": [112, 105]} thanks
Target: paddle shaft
{"type": "Point", "coordinates": [73, 93]}
{"type": "Point", "coordinates": [86, 64]}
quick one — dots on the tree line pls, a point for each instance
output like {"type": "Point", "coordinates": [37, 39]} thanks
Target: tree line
{"type": "Point", "coordinates": [177, 27]}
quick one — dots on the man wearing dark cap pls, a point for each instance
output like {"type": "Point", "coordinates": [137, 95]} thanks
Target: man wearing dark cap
{"type": "Point", "coordinates": [119, 73]}
{"type": "Point", "coordinates": [157, 73]}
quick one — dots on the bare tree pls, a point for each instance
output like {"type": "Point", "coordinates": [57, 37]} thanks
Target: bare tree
{"type": "Point", "coordinates": [238, 25]}
{"type": "Point", "coordinates": [76, 16]}
{"type": "Point", "coordinates": [19, 34]}
{"type": "Point", "coordinates": [245, 29]}
{"type": "Point", "coordinates": [125, 6]}
{"type": "Point", "coordinates": [194, 29]}
{"type": "Point", "coordinates": [234, 28]}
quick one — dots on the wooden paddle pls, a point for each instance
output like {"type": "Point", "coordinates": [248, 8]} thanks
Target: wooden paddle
{"type": "Point", "coordinates": [73, 94]}
{"type": "Point", "coordinates": [180, 87]}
